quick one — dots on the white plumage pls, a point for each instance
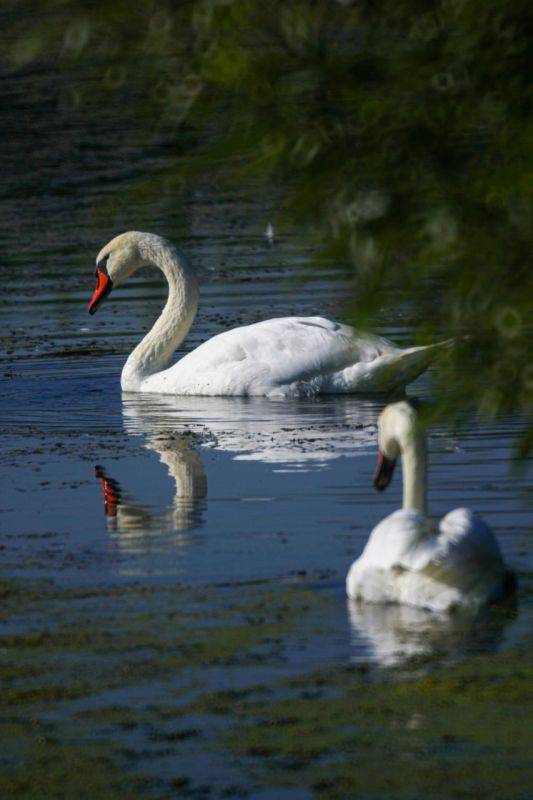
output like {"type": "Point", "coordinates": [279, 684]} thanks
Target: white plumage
{"type": "Point", "coordinates": [288, 356]}
{"type": "Point", "coordinates": [408, 559]}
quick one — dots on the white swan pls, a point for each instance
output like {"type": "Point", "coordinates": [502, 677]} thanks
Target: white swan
{"type": "Point", "coordinates": [289, 356]}
{"type": "Point", "coordinates": [407, 560]}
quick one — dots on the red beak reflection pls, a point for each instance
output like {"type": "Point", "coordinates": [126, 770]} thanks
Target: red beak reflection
{"type": "Point", "coordinates": [110, 490]}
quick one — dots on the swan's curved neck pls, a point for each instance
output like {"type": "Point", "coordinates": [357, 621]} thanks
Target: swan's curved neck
{"type": "Point", "coordinates": [414, 469]}
{"type": "Point", "coordinates": [155, 351]}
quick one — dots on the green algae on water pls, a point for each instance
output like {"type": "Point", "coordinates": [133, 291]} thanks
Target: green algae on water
{"type": "Point", "coordinates": [464, 732]}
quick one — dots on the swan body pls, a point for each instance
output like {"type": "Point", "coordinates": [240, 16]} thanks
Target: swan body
{"type": "Point", "coordinates": [283, 357]}
{"type": "Point", "coordinates": [407, 559]}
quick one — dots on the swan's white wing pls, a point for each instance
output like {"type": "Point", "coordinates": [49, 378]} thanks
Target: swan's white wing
{"type": "Point", "coordinates": [407, 539]}
{"type": "Point", "coordinates": [467, 561]}
{"type": "Point", "coordinates": [466, 541]}
{"type": "Point", "coordinates": [257, 359]}
{"type": "Point", "coordinates": [289, 348]}
{"type": "Point", "coordinates": [395, 549]}
{"type": "Point", "coordinates": [397, 541]}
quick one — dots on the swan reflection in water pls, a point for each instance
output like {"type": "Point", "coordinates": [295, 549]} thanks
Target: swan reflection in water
{"type": "Point", "coordinates": [291, 436]}
{"type": "Point", "coordinates": [391, 635]}
{"type": "Point", "coordinates": [294, 435]}
{"type": "Point", "coordinates": [184, 466]}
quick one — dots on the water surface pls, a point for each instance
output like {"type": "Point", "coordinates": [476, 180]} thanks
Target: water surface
{"type": "Point", "coordinates": [157, 549]}
{"type": "Point", "coordinates": [209, 490]}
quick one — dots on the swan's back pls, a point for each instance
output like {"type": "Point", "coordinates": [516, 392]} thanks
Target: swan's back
{"type": "Point", "coordinates": [287, 355]}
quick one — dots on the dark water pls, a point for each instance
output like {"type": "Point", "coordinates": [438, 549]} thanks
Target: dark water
{"type": "Point", "coordinates": [228, 497]}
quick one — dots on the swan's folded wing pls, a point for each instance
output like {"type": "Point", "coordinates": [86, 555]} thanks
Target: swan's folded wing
{"type": "Point", "coordinates": [405, 561]}
{"type": "Point", "coordinates": [401, 541]}
{"type": "Point", "coordinates": [389, 568]}
{"type": "Point", "coordinates": [283, 351]}
{"type": "Point", "coordinates": [464, 538]}
{"type": "Point", "coordinates": [466, 556]}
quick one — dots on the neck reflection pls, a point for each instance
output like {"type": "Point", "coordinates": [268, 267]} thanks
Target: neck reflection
{"type": "Point", "coordinates": [127, 514]}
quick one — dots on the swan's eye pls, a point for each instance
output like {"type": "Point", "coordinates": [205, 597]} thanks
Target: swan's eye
{"type": "Point", "coordinates": [102, 264]}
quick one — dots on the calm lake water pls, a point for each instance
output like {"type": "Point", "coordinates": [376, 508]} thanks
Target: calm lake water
{"type": "Point", "coordinates": [213, 490]}
{"type": "Point", "coordinates": [230, 500]}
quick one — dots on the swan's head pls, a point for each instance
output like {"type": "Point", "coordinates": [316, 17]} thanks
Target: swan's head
{"type": "Point", "coordinates": [397, 431]}
{"type": "Point", "coordinates": [119, 259]}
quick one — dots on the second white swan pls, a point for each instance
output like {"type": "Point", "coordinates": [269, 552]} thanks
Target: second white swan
{"type": "Point", "coordinates": [285, 357]}
{"type": "Point", "coordinates": [407, 558]}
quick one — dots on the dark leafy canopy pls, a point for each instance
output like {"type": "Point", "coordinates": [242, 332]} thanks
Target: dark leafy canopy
{"type": "Point", "coordinates": [401, 131]}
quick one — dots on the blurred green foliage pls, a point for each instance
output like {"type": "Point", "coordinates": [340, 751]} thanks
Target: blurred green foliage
{"type": "Point", "coordinates": [400, 132]}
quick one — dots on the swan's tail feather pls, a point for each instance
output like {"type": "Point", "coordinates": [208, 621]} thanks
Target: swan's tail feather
{"type": "Point", "coordinates": [391, 370]}
{"type": "Point", "coordinates": [411, 363]}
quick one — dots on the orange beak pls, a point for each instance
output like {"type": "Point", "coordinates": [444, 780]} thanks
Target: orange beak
{"type": "Point", "coordinates": [384, 470]}
{"type": "Point", "coordinates": [104, 284]}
